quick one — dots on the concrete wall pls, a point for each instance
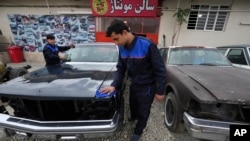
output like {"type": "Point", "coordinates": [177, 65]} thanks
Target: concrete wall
{"type": "Point", "coordinates": [4, 43]}
{"type": "Point", "coordinates": [4, 57]}
{"type": "Point", "coordinates": [234, 33]}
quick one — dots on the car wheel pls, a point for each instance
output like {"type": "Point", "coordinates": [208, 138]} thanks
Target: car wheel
{"type": "Point", "coordinates": [17, 72]}
{"type": "Point", "coordinates": [9, 132]}
{"type": "Point", "coordinates": [173, 114]}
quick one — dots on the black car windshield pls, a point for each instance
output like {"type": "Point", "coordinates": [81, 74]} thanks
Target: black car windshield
{"type": "Point", "coordinates": [197, 56]}
{"type": "Point", "coordinates": [93, 53]}
{"type": "Point", "coordinates": [85, 60]}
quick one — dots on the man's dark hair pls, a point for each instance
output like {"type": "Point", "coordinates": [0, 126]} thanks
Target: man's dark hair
{"type": "Point", "coordinates": [50, 36]}
{"type": "Point", "coordinates": [116, 26]}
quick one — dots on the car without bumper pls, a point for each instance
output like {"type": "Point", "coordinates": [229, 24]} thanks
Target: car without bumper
{"type": "Point", "coordinates": [65, 104]}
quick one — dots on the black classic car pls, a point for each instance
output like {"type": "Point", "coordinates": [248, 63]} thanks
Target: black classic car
{"type": "Point", "coordinates": [205, 94]}
{"type": "Point", "coordinates": [67, 105]}
{"type": "Point", "coordinates": [239, 55]}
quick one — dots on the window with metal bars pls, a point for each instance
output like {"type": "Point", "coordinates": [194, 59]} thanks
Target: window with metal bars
{"type": "Point", "coordinates": [209, 18]}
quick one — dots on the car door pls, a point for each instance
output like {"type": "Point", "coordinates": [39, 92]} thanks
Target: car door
{"type": "Point", "coordinates": [237, 56]}
{"type": "Point", "coordinates": [164, 54]}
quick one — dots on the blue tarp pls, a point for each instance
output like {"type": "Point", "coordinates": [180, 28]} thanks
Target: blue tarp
{"type": "Point", "coordinates": [104, 95]}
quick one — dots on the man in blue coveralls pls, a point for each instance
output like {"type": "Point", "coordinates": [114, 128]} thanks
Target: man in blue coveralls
{"type": "Point", "coordinates": [141, 59]}
{"type": "Point", "coordinates": [51, 55]}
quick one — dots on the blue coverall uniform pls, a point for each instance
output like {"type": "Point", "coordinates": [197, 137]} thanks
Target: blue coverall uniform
{"type": "Point", "coordinates": [147, 73]}
{"type": "Point", "coordinates": [52, 59]}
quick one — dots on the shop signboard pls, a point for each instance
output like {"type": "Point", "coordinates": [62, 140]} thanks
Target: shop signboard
{"type": "Point", "coordinates": [124, 8]}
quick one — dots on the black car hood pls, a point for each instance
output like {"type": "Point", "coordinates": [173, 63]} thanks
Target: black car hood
{"type": "Point", "coordinates": [60, 88]}
{"type": "Point", "coordinates": [226, 84]}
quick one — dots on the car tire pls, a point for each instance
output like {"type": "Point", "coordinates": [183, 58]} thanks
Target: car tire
{"type": "Point", "coordinates": [173, 114]}
{"type": "Point", "coordinates": [9, 132]}
{"type": "Point", "coordinates": [122, 113]}
{"type": "Point", "coordinates": [17, 72]}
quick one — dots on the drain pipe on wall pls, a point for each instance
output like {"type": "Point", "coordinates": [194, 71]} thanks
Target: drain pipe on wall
{"type": "Point", "coordinates": [174, 29]}
{"type": "Point", "coordinates": [164, 40]}
{"type": "Point", "coordinates": [48, 6]}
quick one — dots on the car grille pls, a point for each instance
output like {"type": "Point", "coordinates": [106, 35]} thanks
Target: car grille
{"type": "Point", "coordinates": [63, 110]}
{"type": "Point", "coordinates": [245, 113]}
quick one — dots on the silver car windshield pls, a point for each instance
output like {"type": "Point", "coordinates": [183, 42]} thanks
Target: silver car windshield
{"type": "Point", "coordinates": [197, 56]}
{"type": "Point", "coordinates": [93, 53]}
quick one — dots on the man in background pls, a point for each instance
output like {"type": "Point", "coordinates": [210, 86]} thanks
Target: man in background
{"type": "Point", "coordinates": [52, 57]}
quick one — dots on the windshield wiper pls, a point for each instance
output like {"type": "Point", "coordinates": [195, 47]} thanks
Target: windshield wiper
{"type": "Point", "coordinates": [208, 64]}
{"type": "Point", "coordinates": [182, 64]}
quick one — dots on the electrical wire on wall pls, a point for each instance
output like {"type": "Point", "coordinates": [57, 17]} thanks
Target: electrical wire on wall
{"type": "Point", "coordinates": [14, 3]}
{"type": "Point", "coordinates": [48, 6]}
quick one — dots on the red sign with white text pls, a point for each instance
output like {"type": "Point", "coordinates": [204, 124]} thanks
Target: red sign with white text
{"type": "Point", "coordinates": [124, 8]}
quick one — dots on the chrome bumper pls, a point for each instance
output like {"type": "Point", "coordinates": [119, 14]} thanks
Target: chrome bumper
{"type": "Point", "coordinates": [59, 127]}
{"type": "Point", "coordinates": [207, 129]}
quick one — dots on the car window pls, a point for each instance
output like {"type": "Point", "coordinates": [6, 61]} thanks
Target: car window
{"type": "Point", "coordinates": [93, 54]}
{"type": "Point", "coordinates": [161, 50]}
{"type": "Point", "coordinates": [237, 56]}
{"type": "Point", "coordinates": [164, 54]}
{"type": "Point", "coordinates": [195, 56]}
{"type": "Point", "coordinates": [248, 52]}
{"type": "Point", "coordinates": [222, 50]}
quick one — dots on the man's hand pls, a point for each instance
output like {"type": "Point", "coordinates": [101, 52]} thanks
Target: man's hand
{"type": "Point", "coordinates": [107, 89]}
{"type": "Point", "coordinates": [63, 56]}
{"type": "Point", "coordinates": [72, 46]}
{"type": "Point", "coordinates": [159, 98]}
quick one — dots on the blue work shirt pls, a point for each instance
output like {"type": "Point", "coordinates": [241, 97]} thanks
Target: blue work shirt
{"type": "Point", "coordinates": [144, 65]}
{"type": "Point", "coordinates": [52, 58]}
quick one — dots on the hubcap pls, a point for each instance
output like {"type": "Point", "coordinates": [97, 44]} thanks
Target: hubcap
{"type": "Point", "coordinates": [169, 112]}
